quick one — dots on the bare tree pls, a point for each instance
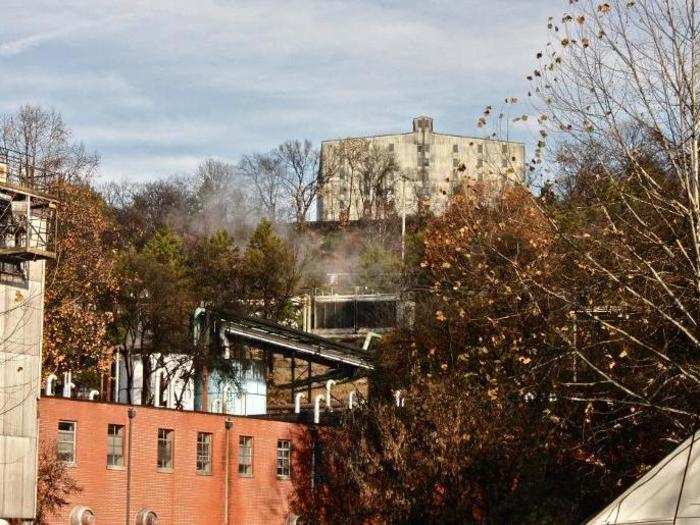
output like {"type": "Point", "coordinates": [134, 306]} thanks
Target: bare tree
{"type": "Point", "coordinates": [266, 173]}
{"type": "Point", "coordinates": [362, 174]}
{"type": "Point", "coordinates": [44, 141]}
{"type": "Point", "coordinates": [222, 199]}
{"type": "Point", "coordinates": [299, 176]}
{"type": "Point", "coordinates": [618, 111]}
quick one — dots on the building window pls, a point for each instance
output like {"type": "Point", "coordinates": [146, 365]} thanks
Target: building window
{"type": "Point", "coordinates": [66, 441]}
{"type": "Point", "coordinates": [504, 148]}
{"type": "Point", "coordinates": [245, 455]}
{"type": "Point", "coordinates": [480, 163]}
{"type": "Point", "coordinates": [284, 450]}
{"type": "Point", "coordinates": [165, 448]}
{"type": "Point", "coordinates": [504, 163]}
{"type": "Point", "coordinates": [391, 147]}
{"type": "Point", "coordinates": [115, 445]}
{"type": "Point", "coordinates": [203, 453]}
{"type": "Point", "coordinates": [426, 162]}
{"type": "Point", "coordinates": [480, 148]}
{"type": "Point", "coordinates": [455, 148]}
{"type": "Point", "coordinates": [455, 163]}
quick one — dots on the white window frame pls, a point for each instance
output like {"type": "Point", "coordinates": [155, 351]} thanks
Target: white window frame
{"type": "Point", "coordinates": [204, 452]}
{"type": "Point", "coordinates": [74, 438]}
{"type": "Point", "coordinates": [169, 438]}
{"type": "Point", "coordinates": [110, 445]}
{"type": "Point", "coordinates": [248, 455]}
{"type": "Point", "coordinates": [284, 458]}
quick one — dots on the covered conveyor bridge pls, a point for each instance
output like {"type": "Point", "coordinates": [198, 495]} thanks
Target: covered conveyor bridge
{"type": "Point", "coordinates": [290, 342]}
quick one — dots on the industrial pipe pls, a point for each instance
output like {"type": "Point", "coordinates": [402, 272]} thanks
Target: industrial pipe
{"type": "Point", "coordinates": [329, 401]}
{"type": "Point", "coordinates": [225, 395]}
{"type": "Point", "coordinates": [297, 402]}
{"type": "Point", "coordinates": [49, 384]}
{"type": "Point", "coordinates": [68, 384]}
{"type": "Point", "coordinates": [397, 397]}
{"type": "Point", "coordinates": [317, 409]}
{"type": "Point", "coordinates": [227, 424]}
{"type": "Point", "coordinates": [132, 414]}
{"type": "Point", "coordinates": [351, 400]}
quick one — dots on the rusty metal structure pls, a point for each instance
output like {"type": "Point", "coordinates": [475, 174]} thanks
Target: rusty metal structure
{"type": "Point", "coordinates": [27, 237]}
{"type": "Point", "coordinates": [27, 213]}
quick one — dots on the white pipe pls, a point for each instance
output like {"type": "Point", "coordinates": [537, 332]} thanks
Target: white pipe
{"type": "Point", "coordinates": [226, 345]}
{"type": "Point", "coordinates": [68, 384]}
{"type": "Point", "coordinates": [397, 397]}
{"type": "Point", "coordinates": [117, 378]}
{"type": "Point", "coordinates": [351, 400]}
{"type": "Point", "coordinates": [329, 401]}
{"type": "Point", "coordinates": [297, 402]}
{"type": "Point", "coordinates": [225, 398]}
{"type": "Point", "coordinates": [49, 384]}
{"type": "Point", "coordinates": [368, 339]}
{"type": "Point", "coordinates": [92, 394]}
{"type": "Point", "coordinates": [156, 389]}
{"type": "Point", "coordinates": [317, 409]}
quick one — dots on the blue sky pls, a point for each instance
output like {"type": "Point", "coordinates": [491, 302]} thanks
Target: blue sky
{"type": "Point", "coordinates": [156, 86]}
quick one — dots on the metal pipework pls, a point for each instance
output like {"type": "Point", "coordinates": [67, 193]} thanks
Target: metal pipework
{"type": "Point", "coordinates": [329, 401]}
{"type": "Point", "coordinates": [317, 409]}
{"type": "Point", "coordinates": [50, 380]}
{"type": "Point", "coordinates": [68, 384]}
{"type": "Point", "coordinates": [297, 402]}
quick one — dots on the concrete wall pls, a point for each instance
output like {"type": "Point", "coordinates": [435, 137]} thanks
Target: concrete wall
{"type": "Point", "coordinates": [21, 324]}
{"type": "Point", "coordinates": [180, 497]}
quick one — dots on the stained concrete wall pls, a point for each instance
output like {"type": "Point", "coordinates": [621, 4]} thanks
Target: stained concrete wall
{"type": "Point", "coordinates": [21, 324]}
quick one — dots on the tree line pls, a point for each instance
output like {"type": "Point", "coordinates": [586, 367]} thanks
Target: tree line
{"type": "Point", "coordinates": [554, 354]}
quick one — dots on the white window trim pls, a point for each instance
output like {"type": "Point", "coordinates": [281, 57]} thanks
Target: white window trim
{"type": "Point", "coordinates": [74, 462]}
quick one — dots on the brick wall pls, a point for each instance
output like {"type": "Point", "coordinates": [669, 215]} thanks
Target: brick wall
{"type": "Point", "coordinates": [181, 496]}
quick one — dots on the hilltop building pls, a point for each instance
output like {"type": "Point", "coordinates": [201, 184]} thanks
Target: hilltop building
{"type": "Point", "coordinates": [430, 167]}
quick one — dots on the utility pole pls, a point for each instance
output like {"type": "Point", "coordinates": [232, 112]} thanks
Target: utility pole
{"type": "Point", "coordinates": [403, 217]}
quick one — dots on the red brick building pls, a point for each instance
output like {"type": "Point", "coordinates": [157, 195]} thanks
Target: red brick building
{"type": "Point", "coordinates": [187, 468]}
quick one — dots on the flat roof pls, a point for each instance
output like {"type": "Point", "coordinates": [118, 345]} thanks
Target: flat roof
{"type": "Point", "coordinates": [383, 135]}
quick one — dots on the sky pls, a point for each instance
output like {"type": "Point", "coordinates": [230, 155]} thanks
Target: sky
{"type": "Point", "coordinates": [155, 86]}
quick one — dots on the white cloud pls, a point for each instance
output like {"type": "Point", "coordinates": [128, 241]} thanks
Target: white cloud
{"type": "Point", "coordinates": [19, 45]}
{"type": "Point", "coordinates": [138, 80]}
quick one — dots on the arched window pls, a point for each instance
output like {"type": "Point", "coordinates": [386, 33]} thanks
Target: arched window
{"type": "Point", "coordinates": [146, 517]}
{"type": "Point", "coordinates": [82, 515]}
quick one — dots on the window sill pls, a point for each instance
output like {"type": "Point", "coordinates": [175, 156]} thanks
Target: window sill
{"type": "Point", "coordinates": [245, 475]}
{"type": "Point", "coordinates": [116, 467]}
{"type": "Point", "coordinates": [164, 470]}
{"type": "Point", "coordinates": [284, 478]}
{"type": "Point", "coordinates": [202, 473]}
